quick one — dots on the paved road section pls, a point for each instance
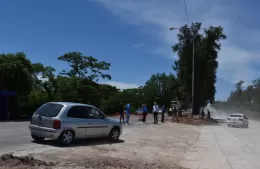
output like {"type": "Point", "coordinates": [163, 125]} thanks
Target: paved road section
{"type": "Point", "coordinates": [226, 148]}
{"type": "Point", "coordinates": [15, 136]}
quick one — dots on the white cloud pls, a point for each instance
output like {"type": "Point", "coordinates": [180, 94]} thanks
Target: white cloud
{"type": "Point", "coordinates": [120, 85]}
{"type": "Point", "coordinates": [156, 17]}
{"type": "Point", "coordinates": [138, 45]}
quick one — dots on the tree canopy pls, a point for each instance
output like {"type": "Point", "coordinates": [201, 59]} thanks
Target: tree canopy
{"type": "Point", "coordinates": [244, 97]}
{"type": "Point", "coordinates": [206, 48]}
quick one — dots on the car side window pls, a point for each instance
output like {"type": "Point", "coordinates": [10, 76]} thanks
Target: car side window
{"type": "Point", "coordinates": [95, 114]}
{"type": "Point", "coordinates": [245, 117]}
{"type": "Point", "coordinates": [79, 112]}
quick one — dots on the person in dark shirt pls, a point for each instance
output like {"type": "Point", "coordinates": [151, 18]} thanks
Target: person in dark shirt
{"type": "Point", "coordinates": [121, 111]}
{"type": "Point", "coordinates": [175, 116]}
{"type": "Point", "coordinates": [163, 112]}
{"type": "Point", "coordinates": [202, 114]}
{"type": "Point", "coordinates": [209, 116]}
{"type": "Point", "coordinates": [145, 111]}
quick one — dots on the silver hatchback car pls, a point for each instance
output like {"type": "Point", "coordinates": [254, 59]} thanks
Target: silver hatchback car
{"type": "Point", "coordinates": [68, 121]}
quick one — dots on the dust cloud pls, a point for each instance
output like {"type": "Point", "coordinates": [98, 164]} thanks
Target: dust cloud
{"type": "Point", "coordinates": [223, 113]}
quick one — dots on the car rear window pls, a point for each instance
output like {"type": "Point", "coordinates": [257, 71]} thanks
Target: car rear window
{"type": "Point", "coordinates": [49, 110]}
{"type": "Point", "coordinates": [235, 115]}
{"type": "Point", "coordinates": [140, 109]}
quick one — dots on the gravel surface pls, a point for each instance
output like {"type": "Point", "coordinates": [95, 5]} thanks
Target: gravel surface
{"type": "Point", "coordinates": [146, 146]}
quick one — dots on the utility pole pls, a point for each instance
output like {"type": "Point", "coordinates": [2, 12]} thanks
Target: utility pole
{"type": "Point", "coordinates": [193, 73]}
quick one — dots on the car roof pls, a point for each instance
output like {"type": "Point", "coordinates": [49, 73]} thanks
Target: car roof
{"type": "Point", "coordinates": [72, 104]}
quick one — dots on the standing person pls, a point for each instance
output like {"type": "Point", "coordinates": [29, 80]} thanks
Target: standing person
{"type": "Point", "coordinates": [121, 111]}
{"type": "Point", "coordinates": [202, 114]}
{"type": "Point", "coordinates": [128, 107]}
{"type": "Point", "coordinates": [163, 112]}
{"type": "Point", "coordinates": [145, 111]}
{"type": "Point", "coordinates": [175, 115]}
{"type": "Point", "coordinates": [209, 116]}
{"type": "Point", "coordinates": [155, 113]}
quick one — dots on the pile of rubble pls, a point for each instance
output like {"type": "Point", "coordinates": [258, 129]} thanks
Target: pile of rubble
{"type": "Point", "coordinates": [195, 120]}
{"type": "Point", "coordinates": [14, 162]}
{"type": "Point", "coordinates": [27, 162]}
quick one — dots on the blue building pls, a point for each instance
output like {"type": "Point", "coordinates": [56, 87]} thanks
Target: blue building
{"type": "Point", "coordinates": [8, 102]}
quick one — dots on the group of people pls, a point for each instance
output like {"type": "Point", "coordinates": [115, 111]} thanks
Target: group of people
{"type": "Point", "coordinates": [202, 113]}
{"type": "Point", "coordinates": [127, 110]}
{"type": "Point", "coordinates": [156, 110]}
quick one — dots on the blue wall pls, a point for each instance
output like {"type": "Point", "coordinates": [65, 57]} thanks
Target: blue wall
{"type": "Point", "coordinates": [4, 103]}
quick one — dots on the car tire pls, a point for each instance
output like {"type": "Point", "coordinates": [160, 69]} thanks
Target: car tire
{"type": "Point", "coordinates": [66, 138]}
{"type": "Point", "coordinates": [37, 138]}
{"type": "Point", "coordinates": [114, 134]}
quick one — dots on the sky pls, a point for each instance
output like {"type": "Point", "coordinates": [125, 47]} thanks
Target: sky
{"type": "Point", "coordinates": [133, 35]}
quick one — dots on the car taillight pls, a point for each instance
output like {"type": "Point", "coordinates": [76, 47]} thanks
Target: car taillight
{"type": "Point", "coordinates": [56, 124]}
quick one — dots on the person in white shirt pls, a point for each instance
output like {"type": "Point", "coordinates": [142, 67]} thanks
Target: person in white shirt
{"type": "Point", "coordinates": [155, 113]}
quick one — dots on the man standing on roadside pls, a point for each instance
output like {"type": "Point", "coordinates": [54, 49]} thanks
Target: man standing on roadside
{"type": "Point", "coordinates": [127, 110]}
{"type": "Point", "coordinates": [163, 112]}
{"type": "Point", "coordinates": [121, 111]}
{"type": "Point", "coordinates": [145, 111]}
{"type": "Point", "coordinates": [175, 115]}
{"type": "Point", "coordinates": [155, 113]}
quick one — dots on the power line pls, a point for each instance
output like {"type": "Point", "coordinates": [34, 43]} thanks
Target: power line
{"type": "Point", "coordinates": [186, 11]}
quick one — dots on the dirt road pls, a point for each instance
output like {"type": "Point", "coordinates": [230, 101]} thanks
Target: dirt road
{"type": "Point", "coordinates": [167, 145]}
{"type": "Point", "coordinates": [144, 146]}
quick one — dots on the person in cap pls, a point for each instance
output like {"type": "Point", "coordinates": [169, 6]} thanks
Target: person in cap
{"type": "Point", "coordinates": [155, 113]}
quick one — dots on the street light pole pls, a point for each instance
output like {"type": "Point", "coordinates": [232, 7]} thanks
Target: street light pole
{"type": "Point", "coordinates": [193, 74]}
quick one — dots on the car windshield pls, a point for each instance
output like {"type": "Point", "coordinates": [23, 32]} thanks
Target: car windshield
{"type": "Point", "coordinates": [49, 110]}
{"type": "Point", "coordinates": [235, 115]}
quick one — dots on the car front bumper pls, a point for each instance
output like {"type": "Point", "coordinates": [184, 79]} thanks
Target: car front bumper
{"type": "Point", "coordinates": [236, 123]}
{"type": "Point", "coordinates": [44, 132]}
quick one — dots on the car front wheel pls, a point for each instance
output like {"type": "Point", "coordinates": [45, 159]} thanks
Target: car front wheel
{"type": "Point", "coordinates": [114, 134]}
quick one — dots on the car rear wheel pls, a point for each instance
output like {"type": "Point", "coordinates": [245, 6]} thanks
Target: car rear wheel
{"type": "Point", "coordinates": [37, 138]}
{"type": "Point", "coordinates": [114, 134]}
{"type": "Point", "coordinates": [66, 137]}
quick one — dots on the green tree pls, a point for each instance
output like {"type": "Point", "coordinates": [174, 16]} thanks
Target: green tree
{"type": "Point", "coordinates": [16, 72]}
{"type": "Point", "coordinates": [161, 88]}
{"type": "Point", "coordinates": [86, 67]}
{"type": "Point", "coordinates": [206, 48]}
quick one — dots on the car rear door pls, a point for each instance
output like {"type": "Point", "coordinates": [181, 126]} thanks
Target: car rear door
{"type": "Point", "coordinates": [97, 126]}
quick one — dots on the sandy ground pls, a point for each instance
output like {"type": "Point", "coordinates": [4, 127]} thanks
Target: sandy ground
{"type": "Point", "coordinates": [144, 146]}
